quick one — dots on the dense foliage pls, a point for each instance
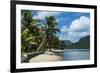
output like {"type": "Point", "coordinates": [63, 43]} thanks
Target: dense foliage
{"type": "Point", "coordinates": [36, 34]}
{"type": "Point", "coordinates": [83, 43]}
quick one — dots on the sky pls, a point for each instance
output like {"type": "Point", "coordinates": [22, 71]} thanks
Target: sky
{"type": "Point", "coordinates": [72, 25]}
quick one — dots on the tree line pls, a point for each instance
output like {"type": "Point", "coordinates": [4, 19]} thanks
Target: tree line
{"type": "Point", "coordinates": [37, 34]}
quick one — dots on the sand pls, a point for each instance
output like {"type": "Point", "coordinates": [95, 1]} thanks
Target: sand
{"type": "Point", "coordinates": [46, 57]}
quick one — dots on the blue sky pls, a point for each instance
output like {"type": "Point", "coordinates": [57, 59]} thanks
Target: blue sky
{"type": "Point", "coordinates": [73, 25]}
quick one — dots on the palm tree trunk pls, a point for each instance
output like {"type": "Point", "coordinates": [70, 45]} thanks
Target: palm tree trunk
{"type": "Point", "coordinates": [43, 41]}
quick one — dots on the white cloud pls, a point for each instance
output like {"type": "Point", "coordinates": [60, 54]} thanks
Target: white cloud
{"type": "Point", "coordinates": [78, 34]}
{"type": "Point", "coordinates": [73, 36]}
{"type": "Point", "coordinates": [64, 29]}
{"type": "Point", "coordinates": [78, 25]}
{"type": "Point", "coordinates": [43, 14]}
{"type": "Point", "coordinates": [83, 23]}
{"type": "Point", "coordinates": [78, 28]}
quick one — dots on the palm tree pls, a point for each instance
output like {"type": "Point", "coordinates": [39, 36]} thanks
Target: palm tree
{"type": "Point", "coordinates": [35, 36]}
{"type": "Point", "coordinates": [29, 30]}
{"type": "Point", "coordinates": [50, 31]}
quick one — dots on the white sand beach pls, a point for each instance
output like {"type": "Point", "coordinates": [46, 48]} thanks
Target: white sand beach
{"type": "Point", "coordinates": [46, 57]}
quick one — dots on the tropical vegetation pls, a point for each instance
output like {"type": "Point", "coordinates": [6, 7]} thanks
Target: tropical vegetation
{"type": "Point", "coordinates": [36, 34]}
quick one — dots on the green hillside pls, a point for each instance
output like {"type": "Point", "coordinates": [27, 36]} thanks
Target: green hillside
{"type": "Point", "coordinates": [83, 43]}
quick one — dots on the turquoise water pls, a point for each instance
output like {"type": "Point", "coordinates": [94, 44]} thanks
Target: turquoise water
{"type": "Point", "coordinates": [75, 54]}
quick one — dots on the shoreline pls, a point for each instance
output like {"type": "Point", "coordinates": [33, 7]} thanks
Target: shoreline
{"type": "Point", "coordinates": [46, 57]}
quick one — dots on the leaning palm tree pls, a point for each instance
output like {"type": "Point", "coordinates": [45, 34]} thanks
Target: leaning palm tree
{"type": "Point", "coordinates": [32, 35]}
{"type": "Point", "coordinates": [50, 31]}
